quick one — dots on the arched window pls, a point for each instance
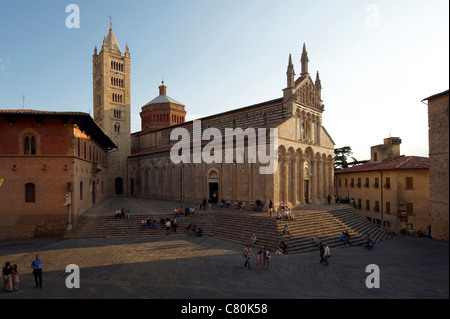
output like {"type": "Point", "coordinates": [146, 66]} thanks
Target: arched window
{"type": "Point", "coordinates": [29, 145]}
{"type": "Point", "coordinates": [30, 193]}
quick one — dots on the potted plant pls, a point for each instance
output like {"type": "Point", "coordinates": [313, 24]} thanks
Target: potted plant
{"type": "Point", "coordinates": [404, 232]}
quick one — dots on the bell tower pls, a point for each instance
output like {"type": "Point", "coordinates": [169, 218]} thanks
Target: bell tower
{"type": "Point", "coordinates": [111, 93]}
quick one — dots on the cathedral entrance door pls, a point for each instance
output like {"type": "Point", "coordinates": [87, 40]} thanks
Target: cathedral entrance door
{"type": "Point", "coordinates": [306, 189]}
{"type": "Point", "coordinates": [214, 192]}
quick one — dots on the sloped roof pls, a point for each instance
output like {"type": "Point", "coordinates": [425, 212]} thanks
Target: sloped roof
{"type": "Point", "coordinates": [83, 120]}
{"type": "Point", "coordinates": [397, 163]}
{"type": "Point", "coordinates": [111, 41]}
{"type": "Point", "coordinates": [163, 99]}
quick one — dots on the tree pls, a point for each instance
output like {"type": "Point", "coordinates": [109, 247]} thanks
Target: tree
{"type": "Point", "coordinates": [341, 156]}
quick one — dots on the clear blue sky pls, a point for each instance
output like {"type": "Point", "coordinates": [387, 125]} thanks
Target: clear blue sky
{"type": "Point", "coordinates": [377, 59]}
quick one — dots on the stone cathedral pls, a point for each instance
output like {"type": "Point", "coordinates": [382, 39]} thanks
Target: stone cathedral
{"type": "Point", "coordinates": [141, 165]}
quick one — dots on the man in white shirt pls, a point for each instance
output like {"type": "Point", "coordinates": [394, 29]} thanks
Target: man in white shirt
{"type": "Point", "coordinates": [326, 254]}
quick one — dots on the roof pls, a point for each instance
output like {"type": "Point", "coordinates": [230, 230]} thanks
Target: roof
{"type": "Point", "coordinates": [163, 99]}
{"type": "Point", "coordinates": [218, 115]}
{"type": "Point", "coordinates": [397, 163]}
{"type": "Point", "coordinates": [435, 96]}
{"type": "Point", "coordinates": [111, 41]}
{"type": "Point", "coordinates": [83, 120]}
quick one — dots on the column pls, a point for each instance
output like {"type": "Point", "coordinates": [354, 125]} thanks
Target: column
{"type": "Point", "coordinates": [302, 180]}
{"type": "Point", "coordinates": [313, 180]}
{"type": "Point", "coordinates": [320, 181]}
{"type": "Point", "coordinates": [295, 180]}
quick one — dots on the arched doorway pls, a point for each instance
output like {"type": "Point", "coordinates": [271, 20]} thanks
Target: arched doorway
{"type": "Point", "coordinates": [213, 185]}
{"type": "Point", "coordinates": [119, 186]}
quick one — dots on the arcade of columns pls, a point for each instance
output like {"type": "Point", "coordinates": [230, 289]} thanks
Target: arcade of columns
{"type": "Point", "coordinates": [306, 172]}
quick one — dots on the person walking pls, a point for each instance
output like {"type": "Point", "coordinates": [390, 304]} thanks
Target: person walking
{"type": "Point", "coordinates": [37, 271]}
{"type": "Point", "coordinates": [246, 254]}
{"type": "Point", "coordinates": [324, 253]}
{"type": "Point", "coordinates": [15, 277]}
{"type": "Point", "coordinates": [174, 225]}
{"type": "Point", "coordinates": [266, 257]}
{"type": "Point", "coordinates": [7, 277]}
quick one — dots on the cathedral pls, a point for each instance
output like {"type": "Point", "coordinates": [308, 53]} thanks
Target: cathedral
{"type": "Point", "coordinates": [57, 165]}
{"type": "Point", "coordinates": [141, 165]}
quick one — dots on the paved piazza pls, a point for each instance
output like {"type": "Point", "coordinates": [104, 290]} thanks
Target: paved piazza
{"type": "Point", "coordinates": [180, 267]}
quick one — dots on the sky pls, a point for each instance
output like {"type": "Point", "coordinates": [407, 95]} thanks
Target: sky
{"type": "Point", "coordinates": [377, 59]}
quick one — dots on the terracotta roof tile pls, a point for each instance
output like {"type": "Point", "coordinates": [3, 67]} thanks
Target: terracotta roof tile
{"type": "Point", "coordinates": [401, 162]}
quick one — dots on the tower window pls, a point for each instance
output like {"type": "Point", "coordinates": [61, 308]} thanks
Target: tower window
{"type": "Point", "coordinates": [30, 145]}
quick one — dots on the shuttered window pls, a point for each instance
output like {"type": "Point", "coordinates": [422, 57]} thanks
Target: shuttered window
{"type": "Point", "coordinates": [30, 193]}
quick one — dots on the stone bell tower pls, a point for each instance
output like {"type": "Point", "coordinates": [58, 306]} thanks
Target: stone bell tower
{"type": "Point", "coordinates": [111, 88]}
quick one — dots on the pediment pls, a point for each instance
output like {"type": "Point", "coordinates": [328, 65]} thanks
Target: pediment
{"type": "Point", "coordinates": [306, 93]}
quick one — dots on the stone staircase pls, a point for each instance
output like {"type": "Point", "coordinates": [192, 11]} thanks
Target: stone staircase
{"type": "Point", "coordinates": [328, 225]}
{"type": "Point", "coordinates": [238, 226]}
{"type": "Point", "coordinates": [89, 226]}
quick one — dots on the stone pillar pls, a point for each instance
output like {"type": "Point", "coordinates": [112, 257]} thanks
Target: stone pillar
{"type": "Point", "coordinates": [313, 180]}
{"type": "Point", "coordinates": [285, 179]}
{"type": "Point", "coordinates": [295, 198]}
{"type": "Point", "coordinates": [302, 180]}
{"type": "Point", "coordinates": [320, 182]}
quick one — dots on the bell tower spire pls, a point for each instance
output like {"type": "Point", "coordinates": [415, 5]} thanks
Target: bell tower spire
{"type": "Point", "coordinates": [290, 73]}
{"type": "Point", "coordinates": [304, 61]}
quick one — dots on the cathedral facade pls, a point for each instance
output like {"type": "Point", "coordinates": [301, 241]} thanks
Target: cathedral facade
{"type": "Point", "coordinates": [304, 150]}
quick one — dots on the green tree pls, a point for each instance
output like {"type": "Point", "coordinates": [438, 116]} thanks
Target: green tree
{"type": "Point", "coordinates": [341, 158]}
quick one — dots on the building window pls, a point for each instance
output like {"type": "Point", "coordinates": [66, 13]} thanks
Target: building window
{"type": "Point", "coordinates": [359, 183]}
{"type": "Point", "coordinates": [346, 182]}
{"type": "Point", "coordinates": [359, 204]}
{"type": "Point", "coordinates": [117, 128]}
{"type": "Point", "coordinates": [352, 183]}
{"type": "Point", "coordinates": [377, 206]}
{"type": "Point", "coordinates": [375, 157]}
{"type": "Point", "coordinates": [409, 183]}
{"type": "Point", "coordinates": [367, 204]}
{"type": "Point", "coordinates": [376, 184]}
{"type": "Point", "coordinates": [388, 183]}
{"type": "Point", "coordinates": [30, 145]}
{"type": "Point", "coordinates": [340, 182]}
{"type": "Point", "coordinates": [409, 209]}
{"type": "Point", "coordinates": [81, 190]}
{"type": "Point", "coordinates": [30, 193]}
{"type": "Point", "coordinates": [388, 207]}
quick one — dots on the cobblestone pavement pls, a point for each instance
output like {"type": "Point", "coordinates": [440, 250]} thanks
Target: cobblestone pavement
{"type": "Point", "coordinates": [179, 267]}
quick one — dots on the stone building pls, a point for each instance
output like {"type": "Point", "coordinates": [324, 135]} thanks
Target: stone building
{"type": "Point", "coordinates": [439, 163]}
{"type": "Point", "coordinates": [44, 157]}
{"type": "Point", "coordinates": [392, 190]}
{"type": "Point", "coordinates": [304, 154]}
{"type": "Point", "coordinates": [112, 110]}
